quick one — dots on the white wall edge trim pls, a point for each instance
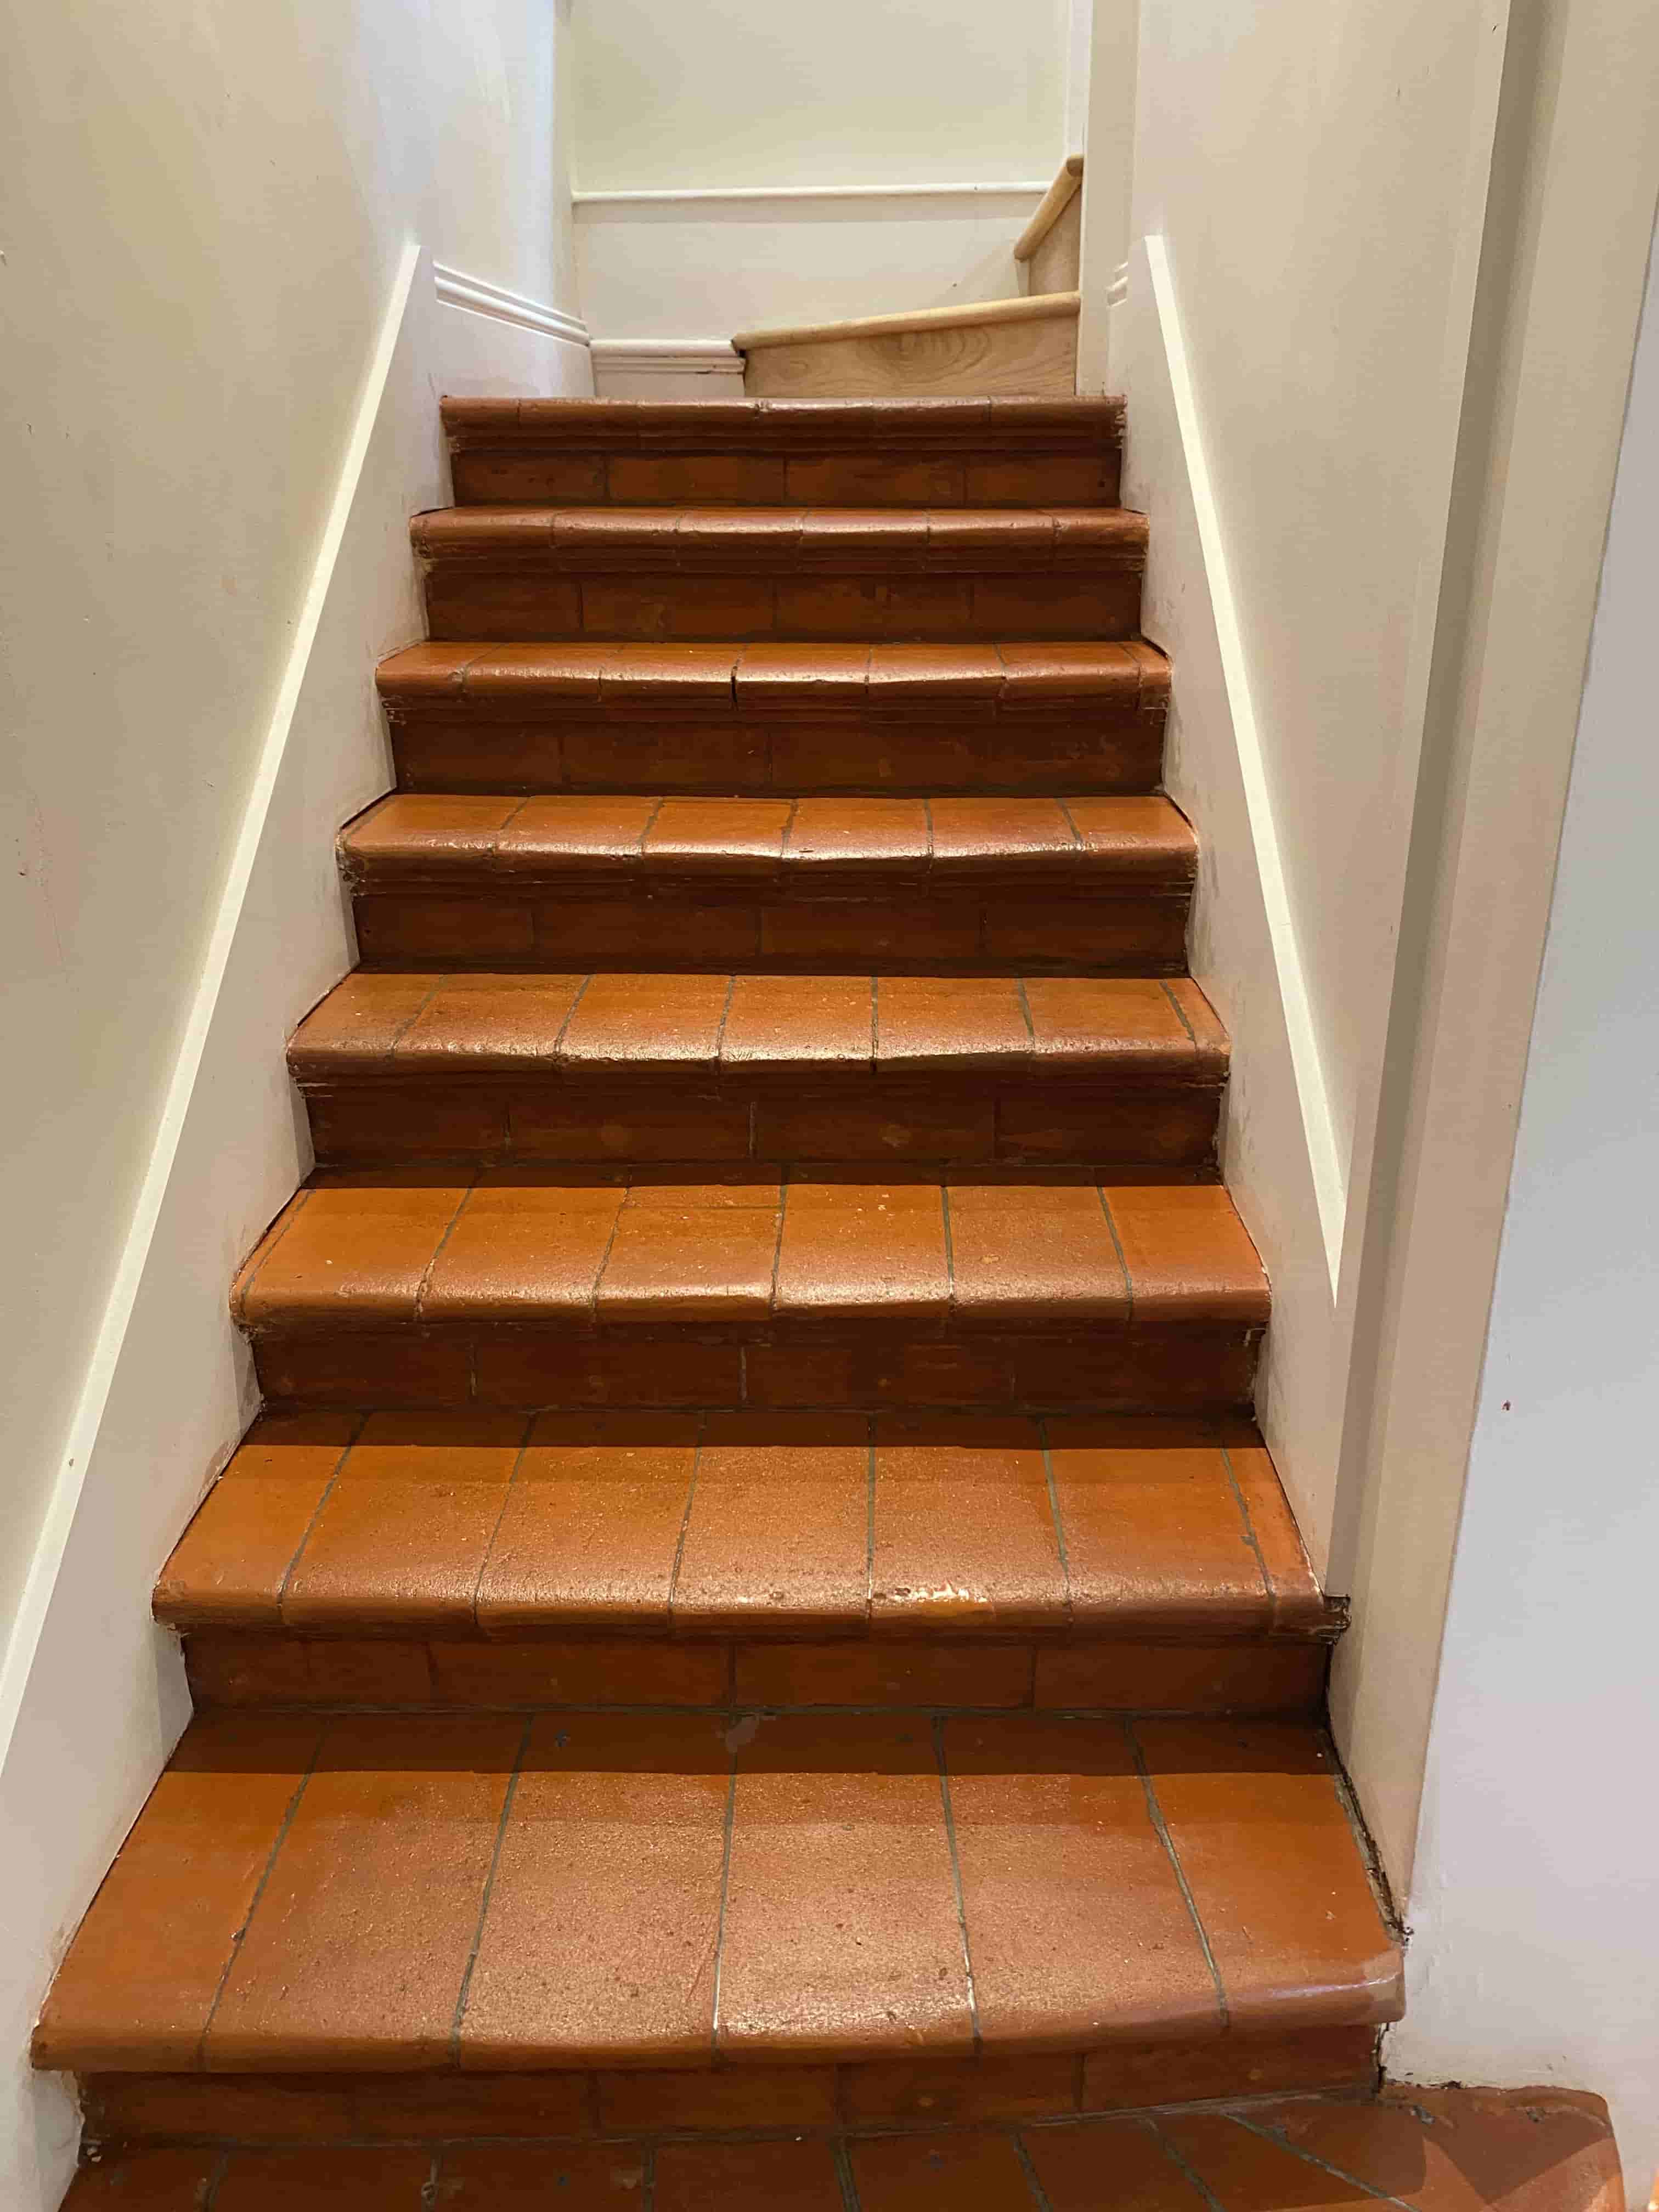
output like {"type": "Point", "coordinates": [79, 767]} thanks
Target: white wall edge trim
{"type": "Point", "coordinates": [693, 192]}
{"type": "Point", "coordinates": [456, 290]}
{"type": "Point", "coordinates": [65, 1494]}
{"type": "Point", "coordinates": [672, 353]}
{"type": "Point", "coordinates": [1324, 1154]}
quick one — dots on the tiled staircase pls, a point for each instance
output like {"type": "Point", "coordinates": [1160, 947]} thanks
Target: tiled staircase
{"type": "Point", "coordinates": [755, 1605]}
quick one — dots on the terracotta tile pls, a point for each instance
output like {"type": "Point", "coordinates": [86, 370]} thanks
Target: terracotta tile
{"type": "Point", "coordinates": [453, 754]}
{"type": "Point", "coordinates": [946, 2091]}
{"type": "Point", "coordinates": [527, 675]}
{"type": "Point", "coordinates": [1156, 1539]}
{"type": "Point", "coordinates": [373, 1124]}
{"type": "Point", "coordinates": [913, 1676]}
{"type": "Point", "coordinates": [1182, 1678]}
{"type": "Point", "coordinates": [231, 1562]}
{"type": "Point", "coordinates": [477, 1023]}
{"type": "Point", "coordinates": [831, 606]}
{"type": "Point", "coordinates": [457, 2106]}
{"type": "Point", "coordinates": [403, 1536]}
{"type": "Point", "coordinates": [367, 1671]}
{"type": "Point", "coordinates": [1187, 1253]}
{"type": "Point", "coordinates": [874, 479]}
{"type": "Point", "coordinates": [645, 675]}
{"type": "Point", "coordinates": [485, 479]}
{"type": "Point", "coordinates": [1075, 2167]}
{"type": "Point", "coordinates": [602, 537]}
{"type": "Point", "coordinates": [599, 1943]}
{"type": "Point", "coordinates": [503, 607]}
{"type": "Point", "coordinates": [1142, 1371]}
{"type": "Point", "coordinates": [145, 2181]}
{"type": "Point", "coordinates": [1102, 604]}
{"type": "Point", "coordinates": [408, 1367]}
{"type": "Point", "coordinates": [963, 1529]}
{"type": "Point", "coordinates": [747, 479]}
{"type": "Point", "coordinates": [579, 832]}
{"type": "Point", "coordinates": [1089, 536]}
{"type": "Point", "coordinates": [972, 834]}
{"type": "Point", "coordinates": [421, 927]}
{"type": "Point", "coordinates": [656, 1018]}
{"type": "Point", "coordinates": [359, 1022]}
{"type": "Point", "coordinates": [1159, 1125]}
{"type": "Point", "coordinates": [944, 1126]}
{"type": "Point", "coordinates": [1274, 1871]}
{"type": "Point", "coordinates": [422, 832]}
{"type": "Point", "coordinates": [649, 608]}
{"type": "Point", "coordinates": [1077, 1925]}
{"type": "Point", "coordinates": [718, 837]}
{"type": "Point", "coordinates": [261, 2108]}
{"type": "Point", "coordinates": [968, 2172]}
{"type": "Point", "coordinates": [1149, 840]}
{"type": "Point", "coordinates": [387, 2177]}
{"type": "Point", "coordinates": [752, 2176]}
{"type": "Point", "coordinates": [853, 932]}
{"type": "Point", "coordinates": [817, 1021]}
{"type": "Point", "coordinates": [889, 835]}
{"type": "Point", "coordinates": [139, 1982]}
{"type": "Point", "coordinates": [1235, 2166]}
{"type": "Point", "coordinates": [423, 671]}
{"type": "Point", "coordinates": [862, 1248]}
{"type": "Point", "coordinates": [793, 676]}
{"type": "Point", "coordinates": [573, 1121]}
{"type": "Point", "coordinates": [357, 1249]}
{"type": "Point", "coordinates": [1128, 2076]}
{"type": "Point", "coordinates": [591, 1527]}
{"type": "Point", "coordinates": [728, 2098]}
{"type": "Point", "coordinates": [777, 1535]}
{"type": "Point", "coordinates": [1552, 2150]}
{"type": "Point", "coordinates": [235, 1669]}
{"type": "Point", "coordinates": [683, 1258]}
{"type": "Point", "coordinates": [838, 538]}
{"type": "Point", "coordinates": [1299, 1604]}
{"type": "Point", "coordinates": [902, 675]}
{"type": "Point", "coordinates": [526, 1244]}
{"type": "Point", "coordinates": [737, 538]}
{"type": "Point", "coordinates": [1042, 480]}
{"type": "Point", "coordinates": [840, 1932]}
{"type": "Point", "coordinates": [934, 1021]}
{"type": "Point", "coordinates": [930, 1375]}
{"type": "Point", "coordinates": [1112, 1021]}
{"type": "Point", "coordinates": [618, 1673]}
{"type": "Point", "coordinates": [1031, 1252]}
{"type": "Point", "coordinates": [576, 2176]}
{"type": "Point", "coordinates": [667, 933]}
{"type": "Point", "coordinates": [1136, 932]}
{"type": "Point", "coordinates": [536, 1367]}
{"type": "Point", "coordinates": [356, 1954]}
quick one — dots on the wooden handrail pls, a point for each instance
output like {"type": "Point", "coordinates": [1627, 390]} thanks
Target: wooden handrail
{"type": "Point", "coordinates": [1037, 308]}
{"type": "Point", "coordinates": [1056, 201]}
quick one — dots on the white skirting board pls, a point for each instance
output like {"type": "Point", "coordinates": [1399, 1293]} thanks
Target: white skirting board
{"type": "Point", "coordinates": [666, 368]}
{"type": "Point", "coordinates": [91, 1694]}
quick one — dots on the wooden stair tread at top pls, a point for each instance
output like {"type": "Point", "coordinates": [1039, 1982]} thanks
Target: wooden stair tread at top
{"type": "Point", "coordinates": [974, 426]}
{"type": "Point", "coordinates": [571, 1247]}
{"type": "Point", "coordinates": [538, 680]}
{"type": "Point", "coordinates": [613, 1026]}
{"type": "Point", "coordinates": [798, 1525]}
{"type": "Point", "coordinates": [1528, 2150]}
{"type": "Point", "coordinates": [803, 542]}
{"type": "Point", "coordinates": [487, 1891]}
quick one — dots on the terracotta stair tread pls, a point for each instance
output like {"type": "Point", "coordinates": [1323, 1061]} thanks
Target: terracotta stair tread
{"type": "Point", "coordinates": [613, 1028]}
{"type": "Point", "coordinates": [1102, 846]}
{"type": "Point", "coordinates": [385, 1892]}
{"type": "Point", "coordinates": [549, 679]}
{"type": "Point", "coordinates": [798, 1526]}
{"type": "Point", "coordinates": [1528, 2150]}
{"type": "Point", "coordinates": [801, 542]}
{"type": "Point", "coordinates": [976, 427]}
{"type": "Point", "coordinates": [572, 1248]}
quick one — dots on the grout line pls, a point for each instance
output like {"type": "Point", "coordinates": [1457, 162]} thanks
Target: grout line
{"type": "Point", "coordinates": [725, 1016]}
{"type": "Point", "coordinates": [295, 1206]}
{"type": "Point", "coordinates": [648, 2179]}
{"type": "Point", "coordinates": [719, 1925]}
{"type": "Point", "coordinates": [429, 2186]}
{"type": "Point", "coordinates": [418, 1314]}
{"type": "Point", "coordinates": [1026, 1009]}
{"type": "Point", "coordinates": [490, 1548]}
{"type": "Point", "coordinates": [240, 1933]}
{"type": "Point", "coordinates": [404, 1028]}
{"type": "Point", "coordinates": [1311, 2158]}
{"type": "Point", "coordinates": [604, 1256]}
{"type": "Point", "coordinates": [849, 2189]}
{"type": "Point", "coordinates": [650, 824]}
{"type": "Point", "coordinates": [875, 1020]}
{"type": "Point", "coordinates": [789, 829]}
{"type": "Point", "coordinates": [956, 1878]}
{"type": "Point", "coordinates": [927, 813]}
{"type": "Point", "coordinates": [558, 1041]}
{"type": "Point", "coordinates": [488, 1887]}
{"type": "Point", "coordinates": [1059, 1518]}
{"type": "Point", "coordinates": [1155, 1813]}
{"type": "Point", "coordinates": [1070, 823]}
{"type": "Point", "coordinates": [328, 1492]}
{"type": "Point", "coordinates": [1188, 2173]}
{"type": "Point", "coordinates": [777, 1255]}
{"type": "Point", "coordinates": [685, 1519]}
{"type": "Point", "coordinates": [869, 1524]}
{"type": "Point", "coordinates": [1180, 1012]}
{"type": "Point", "coordinates": [1117, 1246]}
{"type": "Point", "coordinates": [1251, 1537]}
{"type": "Point", "coordinates": [216, 2179]}
{"type": "Point", "coordinates": [1039, 2194]}
{"type": "Point", "coordinates": [950, 1249]}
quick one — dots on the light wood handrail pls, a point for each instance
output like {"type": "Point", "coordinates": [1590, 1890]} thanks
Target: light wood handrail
{"type": "Point", "coordinates": [1037, 308]}
{"type": "Point", "coordinates": [1056, 201]}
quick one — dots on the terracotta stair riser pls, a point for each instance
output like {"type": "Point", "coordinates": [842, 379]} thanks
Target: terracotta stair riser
{"type": "Point", "coordinates": [470, 600]}
{"type": "Point", "coordinates": [297, 2108]}
{"type": "Point", "coordinates": [448, 1673]}
{"type": "Point", "coordinates": [747, 755]}
{"type": "Point", "coordinates": [505, 478]}
{"type": "Point", "coordinates": [950, 1121]}
{"type": "Point", "coordinates": [1206, 1367]}
{"type": "Point", "coordinates": [924, 935]}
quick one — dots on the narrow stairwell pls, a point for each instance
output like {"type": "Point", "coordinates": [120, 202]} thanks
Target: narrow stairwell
{"type": "Point", "coordinates": [755, 1606]}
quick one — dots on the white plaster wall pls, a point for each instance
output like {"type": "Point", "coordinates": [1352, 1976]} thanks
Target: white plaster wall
{"type": "Point", "coordinates": [1535, 1902]}
{"type": "Point", "coordinates": [721, 95]}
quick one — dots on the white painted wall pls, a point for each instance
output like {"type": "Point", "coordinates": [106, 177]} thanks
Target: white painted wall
{"type": "Point", "coordinates": [1535, 1906]}
{"type": "Point", "coordinates": [213, 211]}
{"type": "Point", "coordinates": [792, 107]}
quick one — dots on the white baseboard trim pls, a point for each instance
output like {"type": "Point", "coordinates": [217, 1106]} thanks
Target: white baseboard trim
{"type": "Point", "coordinates": [456, 290]}
{"type": "Point", "coordinates": [683, 368]}
{"type": "Point", "coordinates": [691, 194]}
